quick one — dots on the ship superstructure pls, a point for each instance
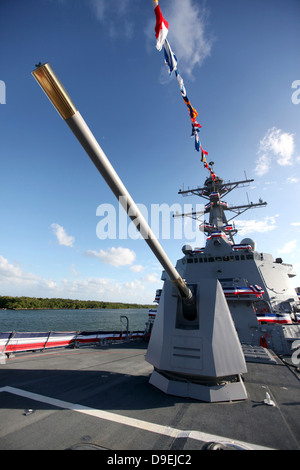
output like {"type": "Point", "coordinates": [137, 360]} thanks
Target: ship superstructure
{"type": "Point", "coordinates": [257, 287]}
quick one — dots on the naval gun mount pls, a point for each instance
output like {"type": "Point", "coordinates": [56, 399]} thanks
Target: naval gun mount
{"type": "Point", "coordinates": [194, 347]}
{"type": "Point", "coordinates": [195, 350]}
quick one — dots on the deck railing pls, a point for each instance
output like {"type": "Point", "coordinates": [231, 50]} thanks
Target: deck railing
{"type": "Point", "coordinates": [14, 341]}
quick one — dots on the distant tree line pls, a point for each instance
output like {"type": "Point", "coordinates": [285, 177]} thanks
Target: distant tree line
{"type": "Point", "coordinates": [14, 303]}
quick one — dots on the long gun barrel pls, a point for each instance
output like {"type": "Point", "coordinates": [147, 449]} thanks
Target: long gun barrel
{"type": "Point", "coordinates": [51, 85]}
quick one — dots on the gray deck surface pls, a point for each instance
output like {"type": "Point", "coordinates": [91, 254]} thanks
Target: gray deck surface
{"type": "Point", "coordinates": [101, 398]}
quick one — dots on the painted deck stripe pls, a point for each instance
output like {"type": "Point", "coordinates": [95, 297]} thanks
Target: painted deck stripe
{"type": "Point", "coordinates": [127, 421]}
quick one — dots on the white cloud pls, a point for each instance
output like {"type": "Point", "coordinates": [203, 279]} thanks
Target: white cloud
{"type": "Point", "coordinates": [292, 180]}
{"type": "Point", "coordinates": [152, 277]}
{"type": "Point", "coordinates": [296, 224]}
{"type": "Point", "coordinates": [137, 268]}
{"type": "Point", "coordinates": [99, 7]}
{"type": "Point", "coordinates": [114, 15]}
{"type": "Point", "coordinates": [245, 227]}
{"type": "Point", "coordinates": [187, 27]}
{"type": "Point", "coordinates": [277, 145]}
{"type": "Point", "coordinates": [115, 256]}
{"type": "Point", "coordinates": [73, 270]}
{"type": "Point", "coordinates": [8, 270]}
{"type": "Point", "coordinates": [16, 281]}
{"type": "Point", "coordinates": [62, 236]}
{"type": "Point", "coordinates": [140, 290]}
{"type": "Point", "coordinates": [187, 34]}
{"type": "Point", "coordinates": [13, 276]}
{"type": "Point", "coordinates": [263, 164]}
{"type": "Point", "coordinates": [289, 247]}
{"type": "Point", "coordinates": [280, 143]}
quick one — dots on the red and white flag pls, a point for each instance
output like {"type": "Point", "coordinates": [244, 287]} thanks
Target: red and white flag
{"type": "Point", "coordinates": [161, 27]}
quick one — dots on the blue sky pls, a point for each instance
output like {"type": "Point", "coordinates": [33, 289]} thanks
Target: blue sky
{"type": "Point", "coordinates": [239, 61]}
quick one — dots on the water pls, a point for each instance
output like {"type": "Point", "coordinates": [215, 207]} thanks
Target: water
{"type": "Point", "coordinates": [72, 320]}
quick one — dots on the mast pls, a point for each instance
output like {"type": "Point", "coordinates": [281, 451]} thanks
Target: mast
{"type": "Point", "coordinates": [214, 190]}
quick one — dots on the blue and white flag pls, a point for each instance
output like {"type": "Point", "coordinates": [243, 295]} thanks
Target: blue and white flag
{"type": "Point", "coordinates": [170, 58]}
{"type": "Point", "coordinates": [181, 84]}
{"type": "Point", "coordinates": [197, 143]}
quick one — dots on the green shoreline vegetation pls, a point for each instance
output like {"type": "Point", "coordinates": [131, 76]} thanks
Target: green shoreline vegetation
{"type": "Point", "coordinates": [38, 303]}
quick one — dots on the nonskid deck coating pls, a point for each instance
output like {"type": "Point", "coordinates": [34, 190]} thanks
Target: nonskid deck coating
{"type": "Point", "coordinates": [102, 396]}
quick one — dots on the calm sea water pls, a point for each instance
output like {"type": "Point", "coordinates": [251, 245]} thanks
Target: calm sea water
{"type": "Point", "coordinates": [72, 320]}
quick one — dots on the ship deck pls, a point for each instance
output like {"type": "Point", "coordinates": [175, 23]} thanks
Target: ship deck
{"type": "Point", "coordinates": [100, 398]}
